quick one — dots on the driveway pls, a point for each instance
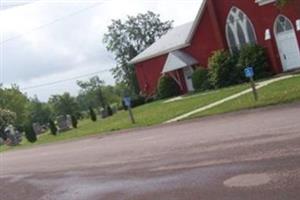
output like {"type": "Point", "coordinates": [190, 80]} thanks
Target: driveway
{"type": "Point", "coordinates": [247, 155]}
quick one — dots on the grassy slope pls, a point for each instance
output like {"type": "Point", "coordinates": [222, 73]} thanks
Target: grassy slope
{"type": "Point", "coordinates": [285, 91]}
{"type": "Point", "coordinates": [147, 115]}
{"type": "Point", "coordinates": [157, 112]}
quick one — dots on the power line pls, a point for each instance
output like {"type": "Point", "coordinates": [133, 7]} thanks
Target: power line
{"type": "Point", "coordinates": [52, 22]}
{"type": "Point", "coordinates": [48, 24]}
{"type": "Point", "coordinates": [13, 4]}
{"type": "Point", "coordinates": [64, 80]}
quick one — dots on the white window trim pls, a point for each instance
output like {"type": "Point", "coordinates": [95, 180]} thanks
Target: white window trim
{"type": "Point", "coordinates": [268, 35]}
{"type": "Point", "coordinates": [275, 23]}
{"type": "Point", "coordinates": [264, 2]}
{"type": "Point", "coordinates": [234, 28]}
{"type": "Point", "coordinates": [298, 24]}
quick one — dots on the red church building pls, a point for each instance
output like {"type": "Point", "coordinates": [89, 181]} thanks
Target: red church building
{"type": "Point", "coordinates": [222, 24]}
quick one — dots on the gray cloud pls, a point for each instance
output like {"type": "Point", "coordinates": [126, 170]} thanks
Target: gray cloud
{"type": "Point", "coordinates": [71, 44]}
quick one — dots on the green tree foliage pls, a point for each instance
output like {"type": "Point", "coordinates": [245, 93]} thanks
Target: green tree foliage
{"type": "Point", "coordinates": [222, 69]}
{"type": "Point", "coordinates": [12, 99]}
{"type": "Point", "coordinates": [167, 87]}
{"type": "Point", "coordinates": [255, 56]}
{"type": "Point", "coordinates": [94, 93]}
{"type": "Point", "coordinates": [52, 127]}
{"type": "Point", "coordinates": [38, 111]}
{"type": "Point", "coordinates": [227, 69]}
{"type": "Point", "coordinates": [126, 39]}
{"type": "Point", "coordinates": [64, 104]}
{"type": "Point", "coordinates": [30, 134]}
{"type": "Point", "coordinates": [112, 94]}
{"type": "Point", "coordinates": [93, 114]}
{"type": "Point", "coordinates": [200, 79]}
{"type": "Point", "coordinates": [91, 92]}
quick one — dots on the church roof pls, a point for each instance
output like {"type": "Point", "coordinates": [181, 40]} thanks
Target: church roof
{"type": "Point", "coordinates": [174, 39]}
{"type": "Point", "coordinates": [177, 38]}
{"type": "Point", "coordinates": [178, 60]}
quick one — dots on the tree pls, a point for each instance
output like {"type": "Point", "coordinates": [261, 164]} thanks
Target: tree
{"type": "Point", "coordinates": [64, 104]}
{"type": "Point", "coordinates": [92, 114]}
{"type": "Point", "coordinates": [111, 94]}
{"type": "Point", "coordinates": [126, 39]}
{"type": "Point", "coordinates": [92, 91]}
{"type": "Point", "coordinates": [38, 111]}
{"type": "Point", "coordinates": [14, 100]}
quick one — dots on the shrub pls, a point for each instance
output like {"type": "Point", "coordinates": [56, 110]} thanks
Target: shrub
{"type": "Point", "coordinates": [255, 56]}
{"type": "Point", "coordinates": [200, 79]}
{"type": "Point", "coordinates": [52, 126]}
{"type": "Point", "coordinates": [109, 110]}
{"type": "Point", "coordinates": [167, 87]}
{"type": "Point", "coordinates": [92, 114]}
{"type": "Point", "coordinates": [30, 134]}
{"type": "Point", "coordinates": [223, 69]}
{"type": "Point", "coordinates": [74, 121]}
{"type": "Point", "coordinates": [138, 101]}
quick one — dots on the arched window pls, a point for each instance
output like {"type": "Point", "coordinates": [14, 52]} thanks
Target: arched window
{"type": "Point", "coordinates": [283, 24]}
{"type": "Point", "coordinates": [239, 30]}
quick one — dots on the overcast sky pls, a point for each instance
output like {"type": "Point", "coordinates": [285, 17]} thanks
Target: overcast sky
{"type": "Point", "coordinates": [46, 41]}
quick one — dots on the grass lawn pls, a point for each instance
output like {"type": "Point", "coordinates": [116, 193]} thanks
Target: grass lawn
{"type": "Point", "coordinates": [146, 115]}
{"type": "Point", "coordinates": [285, 91]}
{"type": "Point", "coordinates": [158, 112]}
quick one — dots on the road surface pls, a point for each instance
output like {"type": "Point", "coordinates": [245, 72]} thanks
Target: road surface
{"type": "Point", "coordinates": [246, 155]}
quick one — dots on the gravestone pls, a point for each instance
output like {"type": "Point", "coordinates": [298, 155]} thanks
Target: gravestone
{"type": "Point", "coordinates": [14, 137]}
{"type": "Point", "coordinates": [69, 121]}
{"type": "Point", "coordinates": [38, 129]}
{"type": "Point", "coordinates": [64, 123]}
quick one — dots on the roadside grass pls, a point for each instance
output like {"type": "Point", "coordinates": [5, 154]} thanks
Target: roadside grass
{"type": "Point", "coordinates": [285, 91]}
{"type": "Point", "coordinates": [150, 114]}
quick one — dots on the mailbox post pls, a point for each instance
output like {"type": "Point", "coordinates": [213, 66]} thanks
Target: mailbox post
{"type": "Point", "coordinates": [127, 102]}
{"type": "Point", "coordinates": [249, 73]}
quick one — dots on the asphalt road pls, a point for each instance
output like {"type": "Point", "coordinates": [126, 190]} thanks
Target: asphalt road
{"type": "Point", "coordinates": [247, 155]}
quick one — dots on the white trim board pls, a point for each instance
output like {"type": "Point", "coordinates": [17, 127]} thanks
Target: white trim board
{"type": "Point", "coordinates": [264, 2]}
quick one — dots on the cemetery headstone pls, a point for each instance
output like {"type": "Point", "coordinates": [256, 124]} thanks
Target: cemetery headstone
{"type": "Point", "coordinates": [38, 129]}
{"type": "Point", "coordinates": [64, 123]}
{"type": "Point", "coordinates": [14, 137]}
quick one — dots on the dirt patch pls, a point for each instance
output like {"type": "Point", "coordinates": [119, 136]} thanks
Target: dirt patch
{"type": "Point", "coordinates": [248, 180]}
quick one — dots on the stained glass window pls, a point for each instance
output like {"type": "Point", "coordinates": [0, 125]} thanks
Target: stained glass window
{"type": "Point", "coordinates": [239, 29]}
{"type": "Point", "coordinates": [283, 24]}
